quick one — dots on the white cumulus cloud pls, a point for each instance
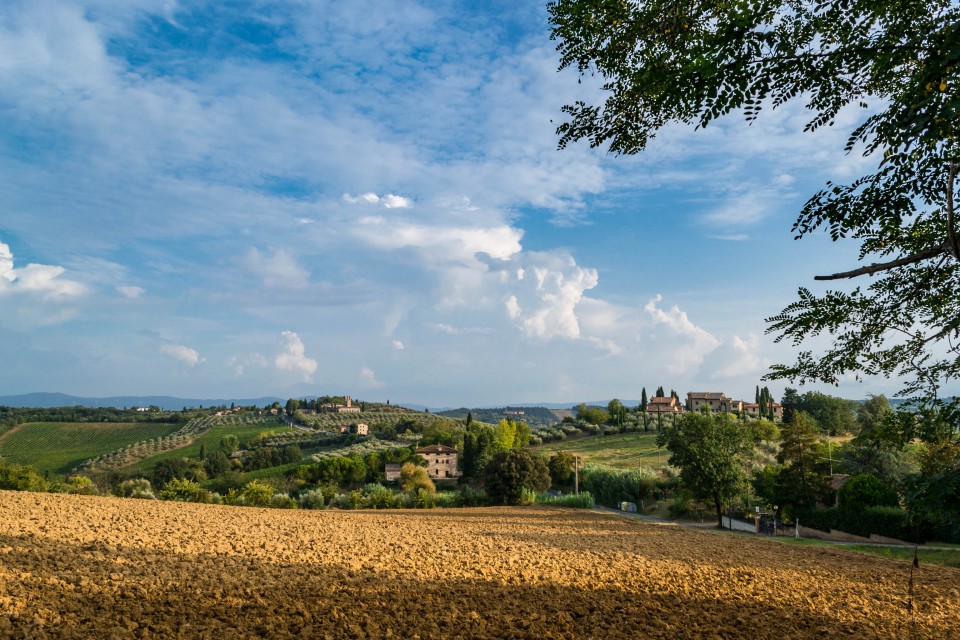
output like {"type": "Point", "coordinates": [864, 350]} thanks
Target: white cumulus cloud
{"type": "Point", "coordinates": [42, 279]}
{"type": "Point", "coordinates": [694, 342]}
{"type": "Point", "coordinates": [545, 306]}
{"type": "Point", "coordinates": [398, 345]}
{"type": "Point", "coordinates": [292, 357]}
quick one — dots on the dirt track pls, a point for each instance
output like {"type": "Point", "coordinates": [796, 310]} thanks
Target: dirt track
{"type": "Point", "coordinates": [83, 567]}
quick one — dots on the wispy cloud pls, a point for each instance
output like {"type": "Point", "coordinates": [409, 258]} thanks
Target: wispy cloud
{"type": "Point", "coordinates": [186, 355]}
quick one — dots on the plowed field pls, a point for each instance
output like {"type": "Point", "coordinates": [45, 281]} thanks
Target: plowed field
{"type": "Point", "coordinates": [89, 567]}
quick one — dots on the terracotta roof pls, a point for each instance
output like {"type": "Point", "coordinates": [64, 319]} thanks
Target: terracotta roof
{"type": "Point", "coordinates": [708, 395]}
{"type": "Point", "coordinates": [662, 400]}
{"type": "Point", "coordinates": [436, 448]}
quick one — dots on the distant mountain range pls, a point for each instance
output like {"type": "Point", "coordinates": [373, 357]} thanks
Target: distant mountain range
{"type": "Point", "coordinates": [48, 400]}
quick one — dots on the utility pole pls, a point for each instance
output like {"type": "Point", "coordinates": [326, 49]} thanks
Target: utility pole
{"type": "Point", "coordinates": [576, 474]}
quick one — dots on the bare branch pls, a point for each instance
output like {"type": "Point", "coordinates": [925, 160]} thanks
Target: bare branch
{"type": "Point", "coordinates": [886, 266]}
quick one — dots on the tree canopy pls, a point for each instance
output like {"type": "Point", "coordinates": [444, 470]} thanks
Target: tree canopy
{"type": "Point", "coordinates": [691, 62]}
{"type": "Point", "coordinates": [711, 451]}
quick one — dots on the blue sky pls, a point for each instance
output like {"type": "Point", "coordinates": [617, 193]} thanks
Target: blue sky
{"type": "Point", "coordinates": [242, 199]}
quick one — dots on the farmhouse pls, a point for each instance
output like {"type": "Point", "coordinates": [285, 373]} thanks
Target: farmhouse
{"type": "Point", "coordinates": [716, 401]}
{"type": "Point", "coordinates": [661, 404]}
{"type": "Point", "coordinates": [441, 461]}
{"type": "Point", "coordinates": [391, 472]}
{"type": "Point", "coordinates": [753, 410]}
{"type": "Point", "coordinates": [358, 428]}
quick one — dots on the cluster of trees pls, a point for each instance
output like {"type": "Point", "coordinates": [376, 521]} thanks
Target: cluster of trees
{"type": "Point", "coordinates": [693, 62]}
{"type": "Point", "coordinates": [896, 484]}
{"type": "Point", "coordinates": [12, 416]}
{"type": "Point", "coordinates": [482, 441]}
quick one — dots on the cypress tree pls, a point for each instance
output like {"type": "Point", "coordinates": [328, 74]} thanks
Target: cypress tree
{"type": "Point", "coordinates": [643, 400]}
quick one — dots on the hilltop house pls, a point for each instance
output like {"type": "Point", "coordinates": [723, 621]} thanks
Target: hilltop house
{"type": "Point", "coordinates": [340, 408]}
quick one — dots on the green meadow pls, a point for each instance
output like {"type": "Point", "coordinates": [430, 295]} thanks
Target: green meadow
{"type": "Point", "coordinates": [620, 450]}
{"type": "Point", "coordinates": [58, 447]}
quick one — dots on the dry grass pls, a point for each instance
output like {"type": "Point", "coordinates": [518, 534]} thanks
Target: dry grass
{"type": "Point", "coordinates": [79, 567]}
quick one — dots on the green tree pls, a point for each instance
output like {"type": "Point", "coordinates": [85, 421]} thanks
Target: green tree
{"type": "Point", "coordinates": [833, 414]}
{"type": "Point", "coordinates": [522, 436]}
{"type": "Point", "coordinates": [593, 415]}
{"type": "Point", "coordinates": [229, 444]}
{"type": "Point", "coordinates": [643, 400]}
{"type": "Point", "coordinates": [216, 464]}
{"type": "Point", "coordinates": [177, 468]}
{"type": "Point", "coordinates": [804, 474]}
{"type": "Point", "coordinates": [504, 435]}
{"type": "Point", "coordinates": [510, 472]}
{"type": "Point", "coordinates": [711, 450]}
{"type": "Point", "coordinates": [865, 490]}
{"type": "Point", "coordinates": [291, 406]}
{"type": "Point", "coordinates": [477, 449]}
{"type": "Point", "coordinates": [561, 465]}
{"type": "Point", "coordinates": [789, 402]}
{"type": "Point", "coordinates": [660, 393]}
{"type": "Point", "coordinates": [872, 413]}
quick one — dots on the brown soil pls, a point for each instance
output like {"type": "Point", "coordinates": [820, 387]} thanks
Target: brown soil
{"type": "Point", "coordinates": [84, 567]}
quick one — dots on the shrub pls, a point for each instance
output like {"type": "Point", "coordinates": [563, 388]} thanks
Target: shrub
{"type": "Point", "coordinates": [340, 501]}
{"type": "Point", "coordinates": [864, 491]}
{"type": "Point", "coordinates": [19, 478]}
{"type": "Point", "coordinates": [379, 497]}
{"type": "Point", "coordinates": [468, 497]}
{"type": "Point", "coordinates": [282, 501]}
{"type": "Point", "coordinates": [583, 500]}
{"type": "Point", "coordinates": [136, 488]}
{"type": "Point", "coordinates": [447, 499]}
{"type": "Point", "coordinates": [612, 486]}
{"type": "Point", "coordinates": [312, 499]}
{"type": "Point", "coordinates": [182, 490]}
{"type": "Point", "coordinates": [257, 494]}
{"type": "Point", "coordinates": [680, 504]}
{"type": "Point", "coordinates": [81, 485]}
{"type": "Point", "coordinates": [885, 521]}
{"type": "Point", "coordinates": [414, 478]}
{"type": "Point", "coordinates": [424, 499]}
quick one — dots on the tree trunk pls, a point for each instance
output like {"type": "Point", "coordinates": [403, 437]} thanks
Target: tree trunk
{"type": "Point", "coordinates": [716, 503]}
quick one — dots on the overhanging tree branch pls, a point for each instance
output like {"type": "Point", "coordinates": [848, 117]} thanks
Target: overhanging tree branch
{"type": "Point", "coordinates": [886, 266]}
